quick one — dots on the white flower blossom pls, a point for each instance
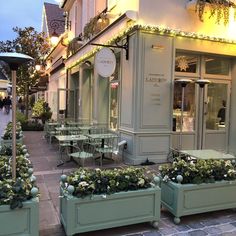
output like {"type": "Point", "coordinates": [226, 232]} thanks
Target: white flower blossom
{"type": "Point", "coordinates": [166, 178]}
{"type": "Point", "coordinates": [83, 184]}
{"type": "Point", "coordinates": [141, 182]}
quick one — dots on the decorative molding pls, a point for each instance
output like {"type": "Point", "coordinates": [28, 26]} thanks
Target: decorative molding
{"type": "Point", "coordinates": [152, 29]}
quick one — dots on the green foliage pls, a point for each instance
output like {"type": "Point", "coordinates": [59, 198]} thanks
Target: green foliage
{"type": "Point", "coordinates": [8, 131]}
{"type": "Point", "coordinates": [87, 181]}
{"type": "Point", "coordinates": [38, 108]}
{"type": "Point", "coordinates": [201, 171]}
{"type": "Point", "coordinates": [20, 117]}
{"type": "Point", "coordinates": [41, 110]}
{"type": "Point", "coordinates": [7, 150]}
{"type": "Point", "coordinates": [28, 41]}
{"type": "Point", "coordinates": [218, 8]}
{"type": "Point", "coordinates": [95, 25]}
{"type": "Point", "coordinates": [32, 126]}
{"type": "Point", "coordinates": [14, 193]}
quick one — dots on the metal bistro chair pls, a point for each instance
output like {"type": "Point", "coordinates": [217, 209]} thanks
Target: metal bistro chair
{"type": "Point", "coordinates": [52, 132]}
{"type": "Point", "coordinates": [63, 149]}
{"type": "Point", "coordinates": [109, 146]}
{"type": "Point", "coordinates": [81, 153]}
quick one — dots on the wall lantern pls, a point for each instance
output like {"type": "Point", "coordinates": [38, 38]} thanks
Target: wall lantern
{"type": "Point", "coordinates": [56, 25]}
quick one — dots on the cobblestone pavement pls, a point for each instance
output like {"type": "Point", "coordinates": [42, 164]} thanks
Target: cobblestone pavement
{"type": "Point", "coordinates": [45, 158]}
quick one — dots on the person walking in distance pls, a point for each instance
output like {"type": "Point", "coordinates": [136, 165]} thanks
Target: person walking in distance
{"type": "Point", "coordinates": [7, 105]}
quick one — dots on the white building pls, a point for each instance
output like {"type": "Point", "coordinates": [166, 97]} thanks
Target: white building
{"type": "Point", "coordinates": [165, 42]}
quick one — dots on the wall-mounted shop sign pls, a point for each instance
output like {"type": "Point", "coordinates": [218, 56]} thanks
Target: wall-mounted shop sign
{"type": "Point", "coordinates": [105, 62]}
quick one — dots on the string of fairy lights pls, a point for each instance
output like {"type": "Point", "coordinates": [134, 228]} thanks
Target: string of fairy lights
{"type": "Point", "coordinates": [151, 29]}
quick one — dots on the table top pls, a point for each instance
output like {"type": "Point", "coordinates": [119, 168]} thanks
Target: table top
{"type": "Point", "coordinates": [85, 127]}
{"type": "Point", "coordinates": [102, 136]}
{"type": "Point", "coordinates": [52, 124]}
{"type": "Point", "coordinates": [66, 128]}
{"type": "Point", "coordinates": [64, 138]}
{"type": "Point", "coordinates": [206, 154]}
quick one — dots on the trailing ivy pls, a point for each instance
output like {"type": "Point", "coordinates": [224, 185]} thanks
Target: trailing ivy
{"type": "Point", "coordinates": [218, 8]}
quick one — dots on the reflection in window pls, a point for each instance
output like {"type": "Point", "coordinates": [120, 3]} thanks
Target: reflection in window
{"type": "Point", "coordinates": [114, 105]}
{"type": "Point", "coordinates": [186, 63]}
{"type": "Point", "coordinates": [217, 66]}
{"type": "Point", "coordinates": [114, 91]}
{"type": "Point", "coordinates": [216, 106]}
{"type": "Point", "coordinates": [188, 111]}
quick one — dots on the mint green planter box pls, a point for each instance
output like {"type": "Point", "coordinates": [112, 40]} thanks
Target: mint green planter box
{"type": "Point", "coordinates": [8, 142]}
{"type": "Point", "coordinates": [21, 221]}
{"type": "Point", "coordinates": [107, 211]}
{"type": "Point", "coordinates": [188, 199]}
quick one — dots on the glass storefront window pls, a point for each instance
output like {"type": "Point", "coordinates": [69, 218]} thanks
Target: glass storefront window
{"type": "Point", "coordinates": [216, 106]}
{"type": "Point", "coordinates": [217, 66]}
{"type": "Point", "coordinates": [114, 105]}
{"type": "Point", "coordinates": [189, 108]}
{"type": "Point", "coordinates": [186, 63]}
{"type": "Point", "coordinates": [114, 100]}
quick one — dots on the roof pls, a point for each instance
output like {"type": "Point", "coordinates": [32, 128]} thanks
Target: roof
{"type": "Point", "coordinates": [55, 19]}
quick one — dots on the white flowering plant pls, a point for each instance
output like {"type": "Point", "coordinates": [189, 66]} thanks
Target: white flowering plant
{"type": "Point", "coordinates": [6, 150]}
{"type": "Point", "coordinates": [96, 181]}
{"type": "Point", "coordinates": [199, 171]}
{"type": "Point", "coordinates": [15, 192]}
{"type": "Point", "coordinates": [8, 131]}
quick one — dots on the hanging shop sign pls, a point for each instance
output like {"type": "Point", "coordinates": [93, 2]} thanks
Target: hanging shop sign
{"type": "Point", "coordinates": [105, 62]}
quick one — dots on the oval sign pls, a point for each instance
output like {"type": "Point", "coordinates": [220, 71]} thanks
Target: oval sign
{"type": "Point", "coordinates": [105, 62]}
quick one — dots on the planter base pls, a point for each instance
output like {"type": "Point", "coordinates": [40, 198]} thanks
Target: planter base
{"type": "Point", "coordinates": [189, 199]}
{"type": "Point", "coordinates": [21, 221]}
{"type": "Point", "coordinates": [102, 212]}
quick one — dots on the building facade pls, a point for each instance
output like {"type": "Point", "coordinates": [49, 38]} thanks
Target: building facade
{"type": "Point", "coordinates": [160, 45]}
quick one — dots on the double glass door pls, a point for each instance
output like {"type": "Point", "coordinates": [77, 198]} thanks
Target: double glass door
{"type": "Point", "coordinates": [204, 117]}
{"type": "Point", "coordinates": [201, 113]}
{"type": "Point", "coordinates": [213, 103]}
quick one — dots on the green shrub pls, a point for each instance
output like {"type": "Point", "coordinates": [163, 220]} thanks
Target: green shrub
{"type": "Point", "coordinates": [32, 126]}
{"type": "Point", "coordinates": [42, 110]}
{"type": "Point", "coordinates": [200, 171]}
{"type": "Point", "coordinates": [20, 117]}
{"type": "Point", "coordinates": [88, 181]}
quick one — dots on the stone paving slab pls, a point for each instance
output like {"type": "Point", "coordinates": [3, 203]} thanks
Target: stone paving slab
{"type": "Point", "coordinates": [45, 159]}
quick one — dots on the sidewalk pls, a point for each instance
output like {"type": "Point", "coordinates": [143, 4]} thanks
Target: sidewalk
{"type": "Point", "coordinates": [45, 159]}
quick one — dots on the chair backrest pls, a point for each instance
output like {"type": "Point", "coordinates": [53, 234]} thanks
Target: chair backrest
{"type": "Point", "coordinates": [112, 143]}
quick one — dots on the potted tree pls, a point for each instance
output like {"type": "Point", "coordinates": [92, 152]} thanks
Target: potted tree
{"type": "Point", "coordinates": [189, 187]}
{"type": "Point", "coordinates": [99, 199]}
{"type": "Point", "coordinates": [42, 111]}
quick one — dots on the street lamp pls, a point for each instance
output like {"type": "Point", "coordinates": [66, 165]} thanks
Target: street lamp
{"type": "Point", "coordinates": [56, 25]}
{"type": "Point", "coordinates": [14, 60]}
{"type": "Point", "coordinates": [202, 83]}
{"type": "Point", "coordinates": [183, 83]}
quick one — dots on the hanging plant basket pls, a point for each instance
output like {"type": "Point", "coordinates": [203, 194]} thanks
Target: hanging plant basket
{"type": "Point", "coordinates": [217, 8]}
{"type": "Point", "coordinates": [95, 25]}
